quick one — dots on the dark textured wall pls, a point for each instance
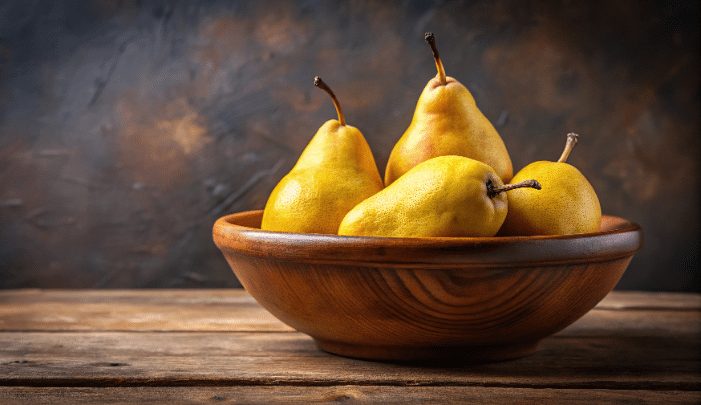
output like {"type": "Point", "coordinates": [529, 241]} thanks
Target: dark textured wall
{"type": "Point", "coordinates": [128, 127]}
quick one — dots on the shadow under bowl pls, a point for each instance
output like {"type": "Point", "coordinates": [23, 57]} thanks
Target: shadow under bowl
{"type": "Point", "coordinates": [427, 300]}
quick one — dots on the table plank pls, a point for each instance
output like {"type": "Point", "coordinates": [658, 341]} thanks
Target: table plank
{"type": "Point", "coordinates": [347, 394]}
{"type": "Point", "coordinates": [279, 358]}
{"type": "Point", "coordinates": [235, 309]}
{"type": "Point", "coordinates": [651, 300]}
{"type": "Point", "coordinates": [134, 310]}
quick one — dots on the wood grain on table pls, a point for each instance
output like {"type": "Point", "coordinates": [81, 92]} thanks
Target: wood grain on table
{"type": "Point", "coordinates": [219, 346]}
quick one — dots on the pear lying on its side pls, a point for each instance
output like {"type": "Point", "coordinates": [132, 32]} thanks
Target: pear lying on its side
{"type": "Point", "coordinates": [566, 205]}
{"type": "Point", "coordinates": [443, 196]}
{"type": "Point", "coordinates": [334, 173]}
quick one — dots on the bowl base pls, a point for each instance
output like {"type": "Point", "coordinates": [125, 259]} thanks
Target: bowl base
{"type": "Point", "coordinates": [430, 355]}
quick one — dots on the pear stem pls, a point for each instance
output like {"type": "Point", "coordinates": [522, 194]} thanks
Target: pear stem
{"type": "Point", "coordinates": [431, 40]}
{"type": "Point", "coordinates": [493, 191]}
{"type": "Point", "coordinates": [571, 141]}
{"type": "Point", "coordinates": [320, 84]}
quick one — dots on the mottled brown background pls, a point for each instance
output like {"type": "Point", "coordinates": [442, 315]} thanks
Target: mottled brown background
{"type": "Point", "coordinates": [128, 127]}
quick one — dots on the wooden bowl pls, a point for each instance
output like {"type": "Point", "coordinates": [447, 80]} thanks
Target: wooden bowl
{"type": "Point", "coordinates": [435, 300]}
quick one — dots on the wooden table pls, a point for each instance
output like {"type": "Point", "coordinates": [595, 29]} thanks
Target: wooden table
{"type": "Point", "coordinates": [220, 346]}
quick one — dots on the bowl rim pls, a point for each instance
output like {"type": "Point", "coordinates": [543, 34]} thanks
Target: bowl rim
{"type": "Point", "coordinates": [240, 233]}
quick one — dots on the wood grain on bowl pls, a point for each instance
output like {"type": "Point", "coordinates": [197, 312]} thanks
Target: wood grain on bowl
{"type": "Point", "coordinates": [426, 299]}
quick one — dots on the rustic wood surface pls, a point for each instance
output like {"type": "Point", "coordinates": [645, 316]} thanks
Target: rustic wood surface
{"type": "Point", "coordinates": [220, 346]}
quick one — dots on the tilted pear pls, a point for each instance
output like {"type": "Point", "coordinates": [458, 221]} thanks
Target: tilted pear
{"type": "Point", "coordinates": [447, 122]}
{"type": "Point", "coordinates": [443, 196]}
{"type": "Point", "coordinates": [566, 205]}
{"type": "Point", "coordinates": [335, 172]}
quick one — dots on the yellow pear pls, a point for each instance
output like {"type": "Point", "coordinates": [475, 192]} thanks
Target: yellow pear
{"type": "Point", "coordinates": [443, 196]}
{"type": "Point", "coordinates": [566, 205]}
{"type": "Point", "coordinates": [335, 172]}
{"type": "Point", "coordinates": [447, 122]}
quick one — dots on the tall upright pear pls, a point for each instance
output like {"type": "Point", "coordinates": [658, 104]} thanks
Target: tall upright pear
{"type": "Point", "coordinates": [447, 122]}
{"type": "Point", "coordinates": [335, 172]}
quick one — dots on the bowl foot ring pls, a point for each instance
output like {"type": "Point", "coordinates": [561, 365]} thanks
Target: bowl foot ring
{"type": "Point", "coordinates": [431, 355]}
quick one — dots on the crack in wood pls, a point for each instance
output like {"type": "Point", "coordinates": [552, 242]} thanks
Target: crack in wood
{"type": "Point", "coordinates": [290, 382]}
